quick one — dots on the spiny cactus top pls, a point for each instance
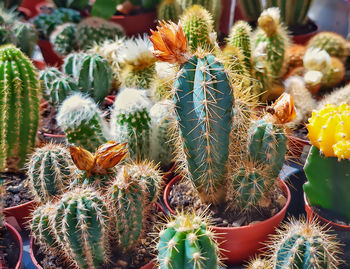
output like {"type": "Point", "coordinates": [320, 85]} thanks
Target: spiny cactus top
{"type": "Point", "coordinates": [333, 43]}
{"type": "Point", "coordinates": [19, 107]}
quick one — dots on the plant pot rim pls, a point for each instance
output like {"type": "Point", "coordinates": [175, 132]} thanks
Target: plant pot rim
{"type": "Point", "coordinates": [8, 209]}
{"type": "Point", "coordinates": [281, 212]}
{"type": "Point", "coordinates": [329, 222]}
{"type": "Point", "coordinates": [18, 238]}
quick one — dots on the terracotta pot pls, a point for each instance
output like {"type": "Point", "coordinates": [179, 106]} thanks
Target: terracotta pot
{"type": "Point", "coordinates": [18, 238]}
{"type": "Point", "coordinates": [32, 6]}
{"type": "Point", "coordinates": [50, 56]}
{"type": "Point", "coordinates": [20, 212]}
{"type": "Point", "coordinates": [136, 24]}
{"type": "Point", "coordinates": [240, 243]}
{"type": "Point", "coordinates": [26, 11]}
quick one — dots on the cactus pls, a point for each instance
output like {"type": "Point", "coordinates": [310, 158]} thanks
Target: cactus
{"type": "Point", "coordinates": [5, 36]}
{"type": "Point", "coordinates": [334, 75]}
{"type": "Point", "coordinates": [304, 244]}
{"type": "Point", "coordinates": [293, 13]}
{"type": "Point", "coordinates": [161, 146]}
{"type": "Point", "coordinates": [272, 36]}
{"type": "Point", "coordinates": [197, 24]}
{"type": "Point", "coordinates": [26, 37]}
{"type": "Point", "coordinates": [130, 121]}
{"type": "Point", "coordinates": [333, 43]}
{"type": "Point", "coordinates": [186, 241]}
{"type": "Point", "coordinates": [50, 171]}
{"type": "Point", "coordinates": [82, 121]}
{"type": "Point", "coordinates": [46, 77]}
{"type": "Point", "coordinates": [169, 10]}
{"type": "Point", "coordinates": [81, 223]}
{"type": "Point", "coordinates": [240, 37]}
{"type": "Point", "coordinates": [327, 165]}
{"type": "Point", "coordinates": [138, 63]}
{"type": "Point", "coordinates": [63, 38]}
{"type": "Point", "coordinates": [337, 96]}
{"type": "Point", "coordinates": [259, 263]}
{"type": "Point", "coordinates": [96, 30]}
{"type": "Point", "coordinates": [251, 9]}
{"type": "Point", "coordinates": [19, 109]}
{"type": "Point", "coordinates": [294, 56]}
{"type": "Point", "coordinates": [93, 74]}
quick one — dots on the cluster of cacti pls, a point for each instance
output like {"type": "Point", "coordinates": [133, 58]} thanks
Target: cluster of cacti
{"type": "Point", "coordinates": [50, 171]}
{"type": "Point", "coordinates": [169, 10]}
{"type": "Point", "coordinates": [93, 74]}
{"type": "Point", "coordinates": [327, 165]}
{"type": "Point", "coordinates": [63, 38]}
{"type": "Point", "coordinates": [82, 121]}
{"type": "Point", "coordinates": [19, 108]}
{"type": "Point", "coordinates": [186, 241]}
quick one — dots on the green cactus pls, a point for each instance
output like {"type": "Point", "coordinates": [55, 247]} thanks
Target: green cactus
{"type": "Point", "coordinates": [92, 72]}
{"type": "Point", "coordinates": [203, 105]}
{"type": "Point", "coordinates": [19, 109]}
{"type": "Point", "coordinates": [63, 38]}
{"type": "Point", "coordinates": [304, 244]}
{"type": "Point", "coordinates": [169, 10]}
{"type": "Point", "coordinates": [130, 121]}
{"type": "Point", "coordinates": [81, 223]}
{"type": "Point", "coordinates": [26, 37]}
{"type": "Point", "coordinates": [292, 12]}
{"type": "Point", "coordinates": [197, 24]}
{"type": "Point", "coordinates": [82, 121]}
{"type": "Point", "coordinates": [47, 76]}
{"type": "Point", "coordinates": [5, 36]}
{"type": "Point", "coordinates": [96, 30]}
{"type": "Point", "coordinates": [251, 9]}
{"type": "Point", "coordinates": [187, 242]}
{"type": "Point", "coordinates": [50, 171]}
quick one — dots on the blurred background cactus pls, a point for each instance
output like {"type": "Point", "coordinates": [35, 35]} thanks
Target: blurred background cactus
{"type": "Point", "coordinates": [169, 10]}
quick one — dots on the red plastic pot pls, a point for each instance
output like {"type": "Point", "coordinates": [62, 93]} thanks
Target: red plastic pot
{"type": "Point", "coordinates": [39, 64]}
{"type": "Point", "coordinates": [304, 38]}
{"type": "Point", "coordinates": [20, 212]}
{"type": "Point", "coordinates": [32, 6]}
{"type": "Point", "coordinates": [18, 238]}
{"type": "Point", "coordinates": [50, 56]}
{"type": "Point", "coordinates": [240, 243]}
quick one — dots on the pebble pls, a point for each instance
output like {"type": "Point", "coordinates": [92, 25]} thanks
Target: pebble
{"type": "Point", "coordinates": [15, 189]}
{"type": "Point", "coordinates": [254, 222]}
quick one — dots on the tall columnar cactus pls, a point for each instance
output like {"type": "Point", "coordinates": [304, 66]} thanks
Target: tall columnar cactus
{"type": "Point", "coordinates": [293, 12]}
{"type": "Point", "coordinates": [251, 9]}
{"type": "Point", "coordinates": [82, 121]}
{"type": "Point", "coordinates": [186, 241]}
{"type": "Point", "coordinates": [50, 171]}
{"type": "Point", "coordinates": [81, 223]}
{"type": "Point", "coordinates": [273, 39]}
{"type": "Point", "coordinates": [328, 163]}
{"type": "Point", "coordinates": [169, 10]}
{"type": "Point", "coordinates": [92, 72]}
{"type": "Point", "coordinates": [240, 37]}
{"type": "Point", "coordinates": [197, 24]}
{"type": "Point", "coordinates": [63, 38]}
{"type": "Point", "coordinates": [130, 121]}
{"type": "Point", "coordinates": [303, 244]}
{"type": "Point", "coordinates": [19, 109]}
{"type": "Point", "coordinates": [96, 30]}
{"type": "Point", "coordinates": [26, 37]}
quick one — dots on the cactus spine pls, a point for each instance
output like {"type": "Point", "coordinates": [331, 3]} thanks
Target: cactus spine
{"type": "Point", "coordinates": [19, 110]}
{"type": "Point", "coordinates": [82, 121]}
{"type": "Point", "coordinates": [187, 242]}
{"type": "Point", "coordinates": [50, 171]}
{"type": "Point", "coordinates": [169, 10]}
{"type": "Point", "coordinates": [63, 38]}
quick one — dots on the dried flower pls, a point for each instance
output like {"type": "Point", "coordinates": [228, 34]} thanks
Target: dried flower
{"type": "Point", "coordinates": [82, 158]}
{"type": "Point", "coordinates": [110, 154]}
{"type": "Point", "coordinates": [282, 110]}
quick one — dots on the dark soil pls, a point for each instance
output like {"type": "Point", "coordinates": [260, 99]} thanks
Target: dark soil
{"type": "Point", "coordinates": [309, 27]}
{"type": "Point", "coordinates": [329, 215]}
{"type": "Point", "coordinates": [182, 196]}
{"type": "Point", "coordinates": [9, 249]}
{"type": "Point", "coordinates": [16, 190]}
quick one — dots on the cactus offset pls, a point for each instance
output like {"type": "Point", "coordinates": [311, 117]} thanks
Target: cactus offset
{"type": "Point", "coordinates": [19, 109]}
{"type": "Point", "coordinates": [169, 10]}
{"type": "Point", "coordinates": [82, 121]}
{"type": "Point", "coordinates": [50, 171]}
{"type": "Point", "coordinates": [63, 38]}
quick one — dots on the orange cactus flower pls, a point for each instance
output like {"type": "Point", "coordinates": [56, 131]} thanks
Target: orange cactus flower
{"type": "Point", "coordinates": [170, 43]}
{"type": "Point", "coordinates": [110, 154]}
{"type": "Point", "coordinates": [82, 158]}
{"type": "Point", "coordinates": [282, 110]}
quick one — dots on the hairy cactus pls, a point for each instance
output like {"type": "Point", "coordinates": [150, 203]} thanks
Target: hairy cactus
{"type": "Point", "coordinates": [259, 263]}
{"type": "Point", "coordinates": [19, 109]}
{"type": "Point", "coordinates": [63, 38]}
{"type": "Point", "coordinates": [26, 37]}
{"type": "Point", "coordinates": [82, 121]}
{"type": "Point", "coordinates": [294, 56]}
{"type": "Point", "coordinates": [186, 241]}
{"type": "Point", "coordinates": [130, 121]}
{"type": "Point", "coordinates": [303, 244]}
{"type": "Point", "coordinates": [92, 73]}
{"type": "Point", "coordinates": [336, 97]}
{"type": "Point", "coordinates": [96, 30]}
{"type": "Point", "coordinates": [251, 9]}
{"type": "Point", "coordinates": [169, 10]}
{"type": "Point", "coordinates": [273, 39]}
{"type": "Point", "coordinates": [334, 75]}
{"type": "Point", "coordinates": [77, 214]}
{"type": "Point", "coordinates": [328, 162]}
{"type": "Point", "coordinates": [50, 171]}
{"type": "Point", "coordinates": [197, 24]}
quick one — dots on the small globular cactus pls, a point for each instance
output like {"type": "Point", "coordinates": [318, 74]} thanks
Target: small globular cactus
{"type": "Point", "coordinates": [63, 38]}
{"type": "Point", "coordinates": [50, 171]}
{"type": "Point", "coordinates": [334, 75]}
{"type": "Point", "coordinates": [186, 241]}
{"type": "Point", "coordinates": [82, 121]}
{"type": "Point", "coordinates": [19, 107]}
{"type": "Point", "coordinates": [60, 89]}
{"type": "Point", "coordinates": [304, 244]}
{"type": "Point", "coordinates": [169, 10]}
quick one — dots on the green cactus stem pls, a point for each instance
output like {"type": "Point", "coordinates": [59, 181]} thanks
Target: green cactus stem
{"type": "Point", "coordinates": [169, 10]}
